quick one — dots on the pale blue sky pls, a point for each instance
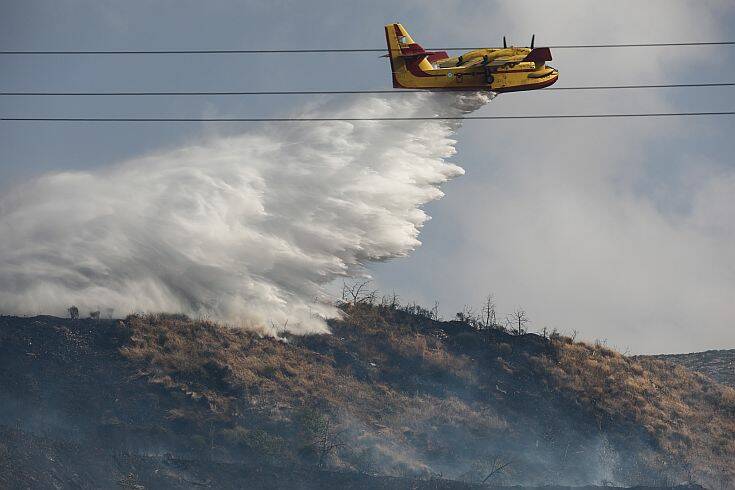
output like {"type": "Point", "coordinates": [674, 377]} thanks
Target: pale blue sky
{"type": "Point", "coordinates": [623, 230]}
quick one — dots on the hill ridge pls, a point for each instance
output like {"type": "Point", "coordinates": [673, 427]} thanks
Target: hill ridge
{"type": "Point", "coordinates": [719, 364]}
{"type": "Point", "coordinates": [388, 393]}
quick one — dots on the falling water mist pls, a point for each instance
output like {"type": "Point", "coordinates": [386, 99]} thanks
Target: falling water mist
{"type": "Point", "coordinates": [245, 229]}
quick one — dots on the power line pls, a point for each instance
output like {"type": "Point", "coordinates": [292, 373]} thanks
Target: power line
{"type": "Point", "coordinates": [665, 85]}
{"type": "Point", "coordinates": [336, 92]}
{"type": "Point", "coordinates": [355, 119]}
{"type": "Point", "coordinates": [642, 45]}
{"type": "Point", "coordinates": [342, 50]}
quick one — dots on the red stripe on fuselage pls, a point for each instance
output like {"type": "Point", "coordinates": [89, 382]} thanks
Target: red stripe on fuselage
{"type": "Point", "coordinates": [413, 67]}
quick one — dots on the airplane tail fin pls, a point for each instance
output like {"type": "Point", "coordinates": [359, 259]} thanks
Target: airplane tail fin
{"type": "Point", "coordinates": [539, 55]}
{"type": "Point", "coordinates": [402, 47]}
{"type": "Point", "coordinates": [399, 40]}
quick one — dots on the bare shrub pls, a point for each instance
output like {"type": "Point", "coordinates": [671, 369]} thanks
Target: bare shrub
{"type": "Point", "coordinates": [518, 321]}
{"type": "Point", "coordinates": [468, 316]}
{"type": "Point", "coordinates": [391, 301]}
{"type": "Point", "coordinates": [73, 312]}
{"type": "Point", "coordinates": [489, 317]}
{"type": "Point", "coordinates": [357, 293]}
{"type": "Point", "coordinates": [321, 437]}
{"type": "Point", "coordinates": [418, 310]}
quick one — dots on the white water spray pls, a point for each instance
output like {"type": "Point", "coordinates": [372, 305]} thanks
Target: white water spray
{"type": "Point", "coordinates": [245, 229]}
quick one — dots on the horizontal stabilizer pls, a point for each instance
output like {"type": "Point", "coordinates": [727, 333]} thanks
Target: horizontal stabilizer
{"type": "Point", "coordinates": [437, 56]}
{"type": "Point", "coordinates": [416, 51]}
{"type": "Point", "coordinates": [539, 55]}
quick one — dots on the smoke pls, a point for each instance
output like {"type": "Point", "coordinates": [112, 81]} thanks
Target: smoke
{"type": "Point", "coordinates": [245, 229]}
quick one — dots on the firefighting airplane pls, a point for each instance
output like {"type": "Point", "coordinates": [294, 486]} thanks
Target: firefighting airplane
{"type": "Point", "coordinates": [506, 69]}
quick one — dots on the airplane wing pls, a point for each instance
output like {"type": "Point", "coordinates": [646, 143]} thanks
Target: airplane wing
{"type": "Point", "coordinates": [498, 62]}
{"type": "Point", "coordinates": [537, 55]}
{"type": "Point", "coordinates": [505, 61]}
{"type": "Point", "coordinates": [472, 62]}
{"type": "Point", "coordinates": [481, 62]}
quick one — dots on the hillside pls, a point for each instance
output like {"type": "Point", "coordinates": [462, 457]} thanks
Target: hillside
{"type": "Point", "coordinates": [718, 364]}
{"type": "Point", "coordinates": [389, 400]}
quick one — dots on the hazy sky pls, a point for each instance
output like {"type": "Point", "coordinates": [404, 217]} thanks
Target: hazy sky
{"type": "Point", "coordinates": [621, 229]}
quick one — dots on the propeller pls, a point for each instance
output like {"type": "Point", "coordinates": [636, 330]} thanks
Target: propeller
{"type": "Point", "coordinates": [533, 38]}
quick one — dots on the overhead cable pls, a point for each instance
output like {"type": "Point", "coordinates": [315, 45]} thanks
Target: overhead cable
{"type": "Point", "coordinates": [338, 50]}
{"type": "Point", "coordinates": [356, 119]}
{"type": "Point", "coordinates": [338, 92]}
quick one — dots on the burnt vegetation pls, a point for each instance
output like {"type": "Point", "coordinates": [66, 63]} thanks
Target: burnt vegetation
{"type": "Point", "coordinates": [393, 398]}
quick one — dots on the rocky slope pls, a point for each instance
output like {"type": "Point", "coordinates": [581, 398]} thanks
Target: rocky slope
{"type": "Point", "coordinates": [390, 398]}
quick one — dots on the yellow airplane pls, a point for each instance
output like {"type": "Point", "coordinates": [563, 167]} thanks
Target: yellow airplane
{"type": "Point", "coordinates": [506, 69]}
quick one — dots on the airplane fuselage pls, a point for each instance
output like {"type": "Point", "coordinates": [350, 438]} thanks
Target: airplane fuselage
{"type": "Point", "coordinates": [496, 69]}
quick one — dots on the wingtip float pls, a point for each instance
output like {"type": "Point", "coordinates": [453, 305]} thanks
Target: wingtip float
{"type": "Point", "coordinates": [506, 69]}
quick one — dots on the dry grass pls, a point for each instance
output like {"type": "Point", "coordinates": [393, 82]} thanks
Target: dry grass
{"type": "Point", "coordinates": [224, 365]}
{"type": "Point", "coordinates": [688, 416]}
{"type": "Point", "coordinates": [408, 385]}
